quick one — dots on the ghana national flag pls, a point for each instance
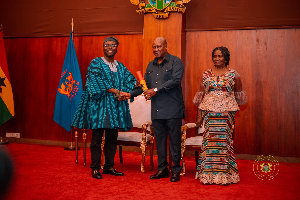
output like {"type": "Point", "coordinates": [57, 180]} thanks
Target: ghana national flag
{"type": "Point", "coordinates": [6, 95]}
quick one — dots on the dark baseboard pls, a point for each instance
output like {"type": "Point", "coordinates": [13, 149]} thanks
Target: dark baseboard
{"type": "Point", "coordinates": [137, 149]}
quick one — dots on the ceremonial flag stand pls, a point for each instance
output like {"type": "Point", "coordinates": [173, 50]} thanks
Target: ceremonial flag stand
{"type": "Point", "coordinates": [71, 147]}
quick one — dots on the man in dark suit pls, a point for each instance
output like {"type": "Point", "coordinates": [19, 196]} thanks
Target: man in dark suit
{"type": "Point", "coordinates": [163, 78]}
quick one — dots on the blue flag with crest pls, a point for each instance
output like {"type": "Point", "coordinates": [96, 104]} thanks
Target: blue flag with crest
{"type": "Point", "coordinates": [69, 89]}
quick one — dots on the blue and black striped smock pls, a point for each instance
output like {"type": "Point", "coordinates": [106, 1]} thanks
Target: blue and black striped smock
{"type": "Point", "coordinates": [99, 108]}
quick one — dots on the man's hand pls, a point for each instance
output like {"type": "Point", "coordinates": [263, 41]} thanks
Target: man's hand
{"type": "Point", "coordinates": [149, 93]}
{"type": "Point", "coordinates": [124, 96]}
{"type": "Point", "coordinates": [137, 84]}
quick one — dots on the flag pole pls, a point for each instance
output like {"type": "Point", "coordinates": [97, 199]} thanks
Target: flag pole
{"type": "Point", "coordinates": [72, 28]}
{"type": "Point", "coordinates": [71, 147]}
{"type": "Point", "coordinates": [3, 140]}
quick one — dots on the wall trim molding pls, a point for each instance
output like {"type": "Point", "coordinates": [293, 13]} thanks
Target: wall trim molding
{"type": "Point", "coordinates": [137, 149]}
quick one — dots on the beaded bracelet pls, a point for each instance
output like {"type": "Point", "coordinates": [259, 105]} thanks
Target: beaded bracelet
{"type": "Point", "coordinates": [117, 95]}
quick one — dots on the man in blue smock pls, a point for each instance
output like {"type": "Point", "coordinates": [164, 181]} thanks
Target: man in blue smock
{"type": "Point", "coordinates": [102, 106]}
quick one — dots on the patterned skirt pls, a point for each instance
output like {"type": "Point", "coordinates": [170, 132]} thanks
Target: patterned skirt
{"type": "Point", "coordinates": [217, 164]}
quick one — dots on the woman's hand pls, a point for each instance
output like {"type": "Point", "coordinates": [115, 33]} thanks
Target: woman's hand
{"type": "Point", "coordinates": [199, 119]}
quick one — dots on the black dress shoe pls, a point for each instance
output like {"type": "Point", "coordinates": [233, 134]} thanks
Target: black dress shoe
{"type": "Point", "coordinates": [161, 174]}
{"type": "Point", "coordinates": [96, 174]}
{"type": "Point", "coordinates": [175, 177]}
{"type": "Point", "coordinates": [112, 171]}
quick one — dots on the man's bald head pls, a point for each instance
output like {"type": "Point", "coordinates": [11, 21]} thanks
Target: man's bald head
{"type": "Point", "coordinates": [161, 39]}
{"type": "Point", "coordinates": [159, 48]}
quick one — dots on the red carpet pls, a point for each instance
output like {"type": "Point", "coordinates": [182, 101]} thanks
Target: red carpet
{"type": "Point", "coordinates": [44, 172]}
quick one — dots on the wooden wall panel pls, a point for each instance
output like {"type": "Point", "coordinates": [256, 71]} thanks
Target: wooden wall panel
{"type": "Point", "coordinates": [35, 66]}
{"type": "Point", "coordinates": [268, 63]}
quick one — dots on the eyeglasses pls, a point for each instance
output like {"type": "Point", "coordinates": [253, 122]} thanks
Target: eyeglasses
{"type": "Point", "coordinates": [110, 45]}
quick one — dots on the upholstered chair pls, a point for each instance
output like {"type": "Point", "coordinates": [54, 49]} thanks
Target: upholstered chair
{"type": "Point", "coordinates": [141, 135]}
{"type": "Point", "coordinates": [191, 143]}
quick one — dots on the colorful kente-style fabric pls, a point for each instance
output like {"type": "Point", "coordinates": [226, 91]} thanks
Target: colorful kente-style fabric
{"type": "Point", "coordinates": [217, 164]}
{"type": "Point", "coordinates": [219, 92]}
{"type": "Point", "coordinates": [99, 108]}
{"type": "Point", "coordinates": [222, 95]}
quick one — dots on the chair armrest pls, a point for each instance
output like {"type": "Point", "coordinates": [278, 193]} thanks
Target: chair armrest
{"type": "Point", "coordinates": [148, 128]}
{"type": "Point", "coordinates": [197, 125]}
{"type": "Point", "coordinates": [148, 123]}
{"type": "Point", "coordinates": [185, 127]}
{"type": "Point", "coordinates": [191, 125]}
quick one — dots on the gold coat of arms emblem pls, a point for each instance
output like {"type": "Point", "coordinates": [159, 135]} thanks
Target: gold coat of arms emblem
{"type": "Point", "coordinates": [266, 167]}
{"type": "Point", "coordinates": [160, 8]}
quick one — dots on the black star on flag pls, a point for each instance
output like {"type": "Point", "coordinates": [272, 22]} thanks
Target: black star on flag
{"type": "Point", "coordinates": [2, 83]}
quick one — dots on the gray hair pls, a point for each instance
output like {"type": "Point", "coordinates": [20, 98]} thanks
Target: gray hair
{"type": "Point", "coordinates": [161, 39]}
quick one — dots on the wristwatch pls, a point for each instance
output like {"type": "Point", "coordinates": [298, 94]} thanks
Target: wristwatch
{"type": "Point", "coordinates": [155, 89]}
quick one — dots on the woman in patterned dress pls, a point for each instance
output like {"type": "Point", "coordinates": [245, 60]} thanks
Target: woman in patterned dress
{"type": "Point", "coordinates": [218, 101]}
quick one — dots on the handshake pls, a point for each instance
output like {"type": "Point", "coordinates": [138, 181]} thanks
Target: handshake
{"type": "Point", "coordinates": [123, 96]}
